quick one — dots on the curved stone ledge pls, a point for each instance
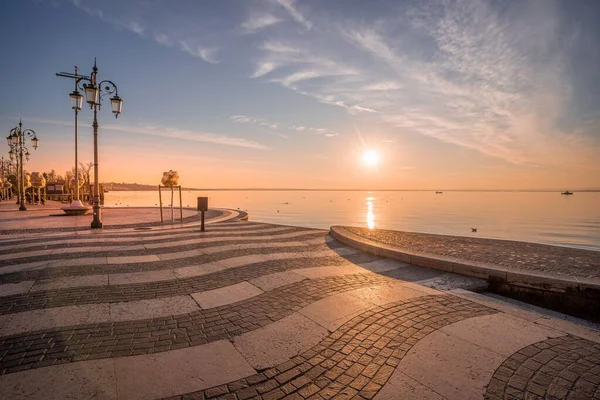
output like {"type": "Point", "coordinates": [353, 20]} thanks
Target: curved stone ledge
{"type": "Point", "coordinates": [572, 294]}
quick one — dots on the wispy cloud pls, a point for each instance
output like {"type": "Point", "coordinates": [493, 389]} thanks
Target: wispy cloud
{"type": "Point", "coordinates": [166, 132]}
{"type": "Point", "coordinates": [207, 54]}
{"type": "Point", "coordinates": [317, 131]}
{"type": "Point", "coordinates": [290, 7]}
{"type": "Point", "coordinates": [245, 119]}
{"type": "Point", "coordinates": [263, 68]}
{"type": "Point", "coordinates": [195, 136]}
{"type": "Point", "coordinates": [272, 126]}
{"type": "Point", "coordinates": [256, 22]}
{"type": "Point", "coordinates": [463, 72]}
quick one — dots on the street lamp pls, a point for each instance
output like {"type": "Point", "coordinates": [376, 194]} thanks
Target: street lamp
{"type": "Point", "coordinates": [76, 206]}
{"type": "Point", "coordinates": [16, 141]}
{"type": "Point", "coordinates": [94, 92]}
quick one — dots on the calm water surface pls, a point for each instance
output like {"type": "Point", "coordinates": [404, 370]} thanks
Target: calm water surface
{"type": "Point", "coordinates": [542, 217]}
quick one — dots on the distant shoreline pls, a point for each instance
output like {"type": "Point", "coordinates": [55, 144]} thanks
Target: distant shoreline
{"type": "Point", "coordinates": [362, 190]}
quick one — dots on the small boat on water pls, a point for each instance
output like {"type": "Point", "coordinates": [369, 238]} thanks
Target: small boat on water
{"type": "Point", "coordinates": [567, 192]}
{"type": "Point", "coordinates": [438, 192]}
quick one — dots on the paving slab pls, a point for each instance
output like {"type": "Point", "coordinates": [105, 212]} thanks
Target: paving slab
{"type": "Point", "coordinates": [82, 380]}
{"type": "Point", "coordinates": [226, 295]}
{"type": "Point", "coordinates": [383, 265]}
{"type": "Point", "coordinates": [140, 277]}
{"type": "Point", "coordinates": [26, 321]}
{"type": "Point", "coordinates": [155, 308]}
{"type": "Point", "coordinates": [132, 259]}
{"type": "Point", "coordinates": [198, 270]}
{"type": "Point", "coordinates": [166, 374]}
{"type": "Point", "coordinates": [402, 386]}
{"type": "Point", "coordinates": [333, 311]}
{"type": "Point", "coordinates": [278, 279]}
{"type": "Point", "coordinates": [499, 304]}
{"type": "Point", "coordinates": [279, 341]}
{"type": "Point", "coordinates": [384, 294]}
{"type": "Point", "coordinates": [9, 289]}
{"type": "Point", "coordinates": [450, 366]}
{"type": "Point", "coordinates": [500, 333]}
{"type": "Point", "coordinates": [324, 272]}
{"type": "Point", "coordinates": [70, 282]}
{"type": "Point", "coordinates": [9, 269]}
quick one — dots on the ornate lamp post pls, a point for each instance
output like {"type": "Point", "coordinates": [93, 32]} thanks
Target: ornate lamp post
{"type": "Point", "coordinates": [94, 92]}
{"type": "Point", "coordinates": [16, 141]}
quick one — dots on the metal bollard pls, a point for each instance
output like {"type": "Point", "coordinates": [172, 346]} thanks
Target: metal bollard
{"type": "Point", "coordinates": [202, 207]}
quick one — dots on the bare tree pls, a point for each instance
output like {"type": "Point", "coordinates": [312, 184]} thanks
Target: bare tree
{"type": "Point", "coordinates": [85, 172]}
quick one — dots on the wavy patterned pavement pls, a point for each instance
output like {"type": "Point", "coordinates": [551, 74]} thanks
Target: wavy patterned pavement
{"type": "Point", "coordinates": [251, 310]}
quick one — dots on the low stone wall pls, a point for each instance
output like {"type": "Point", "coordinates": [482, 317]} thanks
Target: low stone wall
{"type": "Point", "coordinates": [575, 295]}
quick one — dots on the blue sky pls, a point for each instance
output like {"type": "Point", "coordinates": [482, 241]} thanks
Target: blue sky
{"type": "Point", "coordinates": [281, 93]}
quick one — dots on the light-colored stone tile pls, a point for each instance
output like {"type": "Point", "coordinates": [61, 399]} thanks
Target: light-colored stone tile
{"type": "Point", "coordinates": [234, 262]}
{"type": "Point", "coordinates": [179, 255]}
{"type": "Point", "coordinates": [572, 326]}
{"type": "Point", "coordinates": [9, 289]}
{"type": "Point", "coordinates": [78, 261]}
{"type": "Point", "coordinates": [421, 288]}
{"type": "Point", "coordinates": [9, 269]}
{"type": "Point", "coordinates": [132, 259]}
{"type": "Point", "coordinates": [319, 240]}
{"type": "Point", "coordinates": [226, 295]}
{"type": "Point", "coordinates": [498, 303]}
{"type": "Point", "coordinates": [383, 265]}
{"type": "Point", "coordinates": [24, 254]}
{"type": "Point", "coordinates": [33, 320]}
{"type": "Point", "coordinates": [333, 311]}
{"type": "Point", "coordinates": [402, 386]}
{"type": "Point", "coordinates": [141, 277]}
{"type": "Point", "coordinates": [450, 366]}
{"type": "Point", "coordinates": [70, 282]}
{"type": "Point", "coordinates": [501, 333]}
{"type": "Point", "coordinates": [198, 270]}
{"type": "Point", "coordinates": [175, 372]}
{"type": "Point", "coordinates": [384, 294]}
{"type": "Point", "coordinates": [73, 250]}
{"type": "Point", "coordinates": [277, 279]}
{"type": "Point", "coordinates": [81, 380]}
{"type": "Point", "coordinates": [154, 308]}
{"type": "Point", "coordinates": [324, 272]}
{"type": "Point", "coordinates": [247, 246]}
{"type": "Point", "coordinates": [279, 341]}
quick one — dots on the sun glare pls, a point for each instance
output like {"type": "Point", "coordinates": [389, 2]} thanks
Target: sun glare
{"type": "Point", "coordinates": [371, 158]}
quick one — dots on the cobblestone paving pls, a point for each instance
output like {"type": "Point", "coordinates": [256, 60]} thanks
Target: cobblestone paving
{"type": "Point", "coordinates": [530, 256]}
{"type": "Point", "coordinates": [97, 251]}
{"type": "Point", "coordinates": [161, 238]}
{"type": "Point", "coordinates": [93, 341]}
{"type": "Point", "coordinates": [354, 361]}
{"type": "Point", "coordinates": [357, 359]}
{"type": "Point", "coordinates": [186, 220]}
{"type": "Point", "coordinates": [566, 367]}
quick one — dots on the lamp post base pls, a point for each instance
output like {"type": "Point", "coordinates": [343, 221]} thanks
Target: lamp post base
{"type": "Point", "coordinates": [97, 221]}
{"type": "Point", "coordinates": [22, 208]}
{"type": "Point", "coordinates": [76, 208]}
{"type": "Point", "coordinates": [96, 224]}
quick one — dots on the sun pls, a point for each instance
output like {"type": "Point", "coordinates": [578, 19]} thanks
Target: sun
{"type": "Point", "coordinates": [371, 158]}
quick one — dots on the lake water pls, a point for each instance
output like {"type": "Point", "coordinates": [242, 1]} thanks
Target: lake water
{"type": "Point", "coordinates": [542, 217]}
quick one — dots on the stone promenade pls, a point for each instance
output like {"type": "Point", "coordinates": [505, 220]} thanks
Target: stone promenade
{"type": "Point", "coordinates": [252, 310]}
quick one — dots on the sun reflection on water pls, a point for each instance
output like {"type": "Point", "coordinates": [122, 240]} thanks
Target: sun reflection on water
{"type": "Point", "coordinates": [370, 215]}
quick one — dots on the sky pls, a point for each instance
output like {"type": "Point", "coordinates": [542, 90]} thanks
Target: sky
{"type": "Point", "coordinates": [465, 94]}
